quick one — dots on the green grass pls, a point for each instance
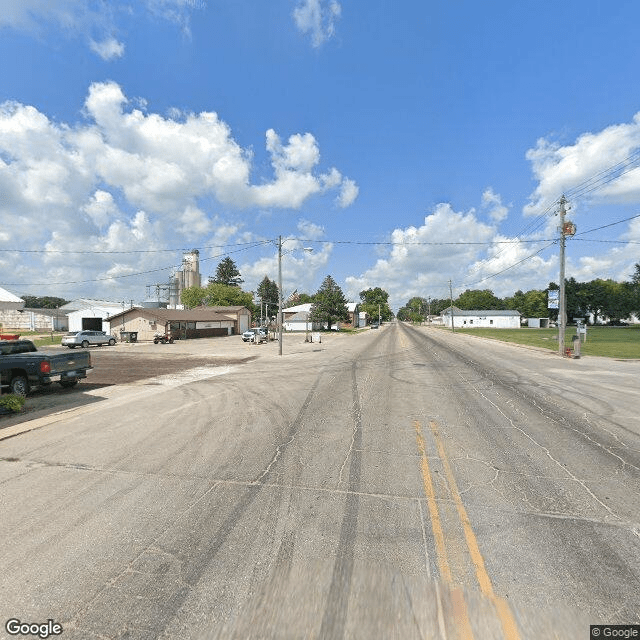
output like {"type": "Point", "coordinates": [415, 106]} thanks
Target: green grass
{"type": "Point", "coordinates": [43, 339]}
{"type": "Point", "coordinates": [611, 342]}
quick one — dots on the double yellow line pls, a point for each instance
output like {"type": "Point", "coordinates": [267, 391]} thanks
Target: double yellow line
{"type": "Point", "coordinates": [503, 610]}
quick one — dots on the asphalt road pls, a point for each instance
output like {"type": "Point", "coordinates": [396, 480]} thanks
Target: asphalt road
{"type": "Point", "coordinates": [399, 483]}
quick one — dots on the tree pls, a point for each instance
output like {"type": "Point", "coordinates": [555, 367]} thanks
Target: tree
{"type": "Point", "coordinates": [634, 290]}
{"type": "Point", "coordinates": [607, 299]}
{"type": "Point", "coordinates": [267, 294]}
{"type": "Point", "coordinates": [329, 303]}
{"type": "Point", "coordinates": [476, 299]}
{"type": "Point", "coordinates": [45, 302]}
{"type": "Point", "coordinates": [304, 298]}
{"type": "Point", "coordinates": [193, 296]}
{"type": "Point", "coordinates": [375, 301]}
{"type": "Point", "coordinates": [217, 295]}
{"type": "Point", "coordinates": [532, 304]}
{"type": "Point", "coordinates": [268, 291]}
{"type": "Point", "coordinates": [227, 273]}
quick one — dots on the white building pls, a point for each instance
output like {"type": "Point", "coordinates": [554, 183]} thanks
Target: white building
{"type": "Point", "coordinates": [469, 319]}
{"type": "Point", "coordinates": [85, 314]}
{"type": "Point", "coordinates": [9, 302]}
{"type": "Point", "coordinates": [297, 318]}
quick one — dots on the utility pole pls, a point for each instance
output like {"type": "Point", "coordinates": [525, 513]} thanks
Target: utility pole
{"type": "Point", "coordinates": [429, 310]}
{"type": "Point", "coordinates": [562, 306]}
{"type": "Point", "coordinates": [279, 295]}
{"type": "Point", "coordinates": [451, 298]}
{"type": "Point", "coordinates": [379, 316]}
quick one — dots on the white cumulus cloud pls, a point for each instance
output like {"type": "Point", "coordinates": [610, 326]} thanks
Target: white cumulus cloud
{"type": "Point", "coordinates": [125, 179]}
{"type": "Point", "coordinates": [456, 246]}
{"type": "Point", "coordinates": [589, 162]}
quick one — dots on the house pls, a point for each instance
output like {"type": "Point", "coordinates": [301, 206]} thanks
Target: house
{"type": "Point", "coordinates": [469, 319]}
{"type": "Point", "coordinates": [202, 322]}
{"type": "Point", "coordinates": [296, 318]}
{"type": "Point", "coordinates": [354, 315]}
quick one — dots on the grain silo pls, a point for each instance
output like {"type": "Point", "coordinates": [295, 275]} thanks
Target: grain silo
{"type": "Point", "coordinates": [191, 269]}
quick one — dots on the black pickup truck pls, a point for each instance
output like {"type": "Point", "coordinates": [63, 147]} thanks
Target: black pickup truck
{"type": "Point", "coordinates": [23, 367]}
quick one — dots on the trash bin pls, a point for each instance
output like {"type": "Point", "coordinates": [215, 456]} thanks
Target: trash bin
{"type": "Point", "coordinates": [128, 336]}
{"type": "Point", "coordinates": [576, 346]}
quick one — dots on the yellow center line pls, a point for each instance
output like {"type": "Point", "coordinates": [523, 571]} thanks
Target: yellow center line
{"type": "Point", "coordinates": [457, 598]}
{"type": "Point", "coordinates": [507, 620]}
{"type": "Point", "coordinates": [436, 525]}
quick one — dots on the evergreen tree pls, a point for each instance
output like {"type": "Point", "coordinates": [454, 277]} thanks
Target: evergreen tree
{"type": "Point", "coordinates": [268, 291]}
{"type": "Point", "coordinates": [329, 303]}
{"type": "Point", "coordinates": [227, 273]}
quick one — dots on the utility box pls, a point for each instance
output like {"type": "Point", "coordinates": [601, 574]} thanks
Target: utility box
{"type": "Point", "coordinates": [538, 323]}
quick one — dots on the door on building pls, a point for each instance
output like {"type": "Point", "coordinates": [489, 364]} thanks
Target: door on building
{"type": "Point", "coordinates": [92, 324]}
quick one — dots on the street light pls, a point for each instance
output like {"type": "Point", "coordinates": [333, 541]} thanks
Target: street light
{"type": "Point", "coordinates": [308, 250]}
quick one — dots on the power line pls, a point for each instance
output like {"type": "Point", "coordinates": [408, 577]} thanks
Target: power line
{"type": "Point", "coordinates": [249, 245]}
{"type": "Point", "coordinates": [119, 277]}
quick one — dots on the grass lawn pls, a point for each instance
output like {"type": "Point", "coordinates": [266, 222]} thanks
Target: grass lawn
{"type": "Point", "coordinates": [612, 342]}
{"type": "Point", "coordinates": [39, 338]}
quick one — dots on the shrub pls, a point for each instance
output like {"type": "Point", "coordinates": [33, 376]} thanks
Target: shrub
{"type": "Point", "coordinates": [11, 402]}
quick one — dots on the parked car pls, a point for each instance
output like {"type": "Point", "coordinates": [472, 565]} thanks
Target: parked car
{"type": "Point", "coordinates": [23, 367]}
{"type": "Point", "coordinates": [85, 339]}
{"type": "Point", "coordinates": [374, 325]}
{"type": "Point", "coordinates": [260, 332]}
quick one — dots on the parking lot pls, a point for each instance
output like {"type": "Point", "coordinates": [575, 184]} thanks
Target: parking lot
{"type": "Point", "coordinates": [142, 363]}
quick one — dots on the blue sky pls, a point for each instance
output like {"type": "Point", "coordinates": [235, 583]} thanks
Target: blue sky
{"type": "Point", "coordinates": [409, 143]}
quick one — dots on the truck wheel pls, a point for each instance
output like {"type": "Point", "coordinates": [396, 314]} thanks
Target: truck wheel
{"type": "Point", "coordinates": [84, 344]}
{"type": "Point", "coordinates": [68, 384]}
{"type": "Point", "coordinates": [112, 342]}
{"type": "Point", "coordinates": [19, 386]}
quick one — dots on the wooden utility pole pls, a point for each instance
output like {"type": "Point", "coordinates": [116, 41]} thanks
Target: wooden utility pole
{"type": "Point", "coordinates": [562, 305]}
{"type": "Point", "coordinates": [279, 295]}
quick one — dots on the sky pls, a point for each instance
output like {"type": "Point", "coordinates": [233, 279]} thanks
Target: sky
{"type": "Point", "coordinates": [411, 145]}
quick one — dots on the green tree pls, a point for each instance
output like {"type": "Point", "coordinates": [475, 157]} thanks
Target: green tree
{"type": "Point", "coordinates": [227, 273]}
{"type": "Point", "coordinates": [633, 287]}
{"type": "Point", "coordinates": [267, 297]}
{"type": "Point", "coordinates": [478, 300]}
{"type": "Point", "coordinates": [268, 291]}
{"type": "Point", "coordinates": [532, 304]}
{"type": "Point", "coordinates": [193, 297]}
{"type": "Point", "coordinates": [44, 302]}
{"type": "Point", "coordinates": [608, 299]}
{"type": "Point", "coordinates": [374, 301]}
{"type": "Point", "coordinates": [329, 303]}
{"type": "Point", "coordinates": [217, 295]}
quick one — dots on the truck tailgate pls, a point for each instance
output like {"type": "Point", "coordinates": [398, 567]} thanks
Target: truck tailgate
{"type": "Point", "coordinates": [67, 362]}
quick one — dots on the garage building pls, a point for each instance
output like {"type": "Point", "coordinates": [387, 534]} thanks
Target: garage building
{"type": "Point", "coordinates": [203, 322]}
